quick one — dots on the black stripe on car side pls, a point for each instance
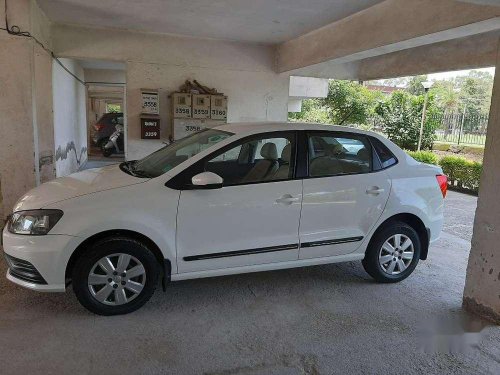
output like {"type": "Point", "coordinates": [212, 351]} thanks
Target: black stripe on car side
{"type": "Point", "coordinates": [331, 242]}
{"type": "Point", "coordinates": [260, 250]}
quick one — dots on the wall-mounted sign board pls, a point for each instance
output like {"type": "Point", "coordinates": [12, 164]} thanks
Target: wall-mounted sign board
{"type": "Point", "coordinates": [150, 128]}
{"type": "Point", "coordinates": [201, 106]}
{"type": "Point", "coordinates": [181, 104]}
{"type": "Point", "coordinates": [150, 102]}
{"type": "Point", "coordinates": [218, 107]}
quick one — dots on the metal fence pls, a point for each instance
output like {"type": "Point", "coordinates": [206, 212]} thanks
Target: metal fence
{"type": "Point", "coordinates": [461, 128]}
{"type": "Point", "coordinates": [455, 128]}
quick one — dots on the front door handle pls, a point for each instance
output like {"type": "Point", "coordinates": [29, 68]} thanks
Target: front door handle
{"type": "Point", "coordinates": [374, 190]}
{"type": "Point", "coordinates": [287, 199]}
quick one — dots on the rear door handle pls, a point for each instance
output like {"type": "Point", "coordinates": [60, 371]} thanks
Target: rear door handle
{"type": "Point", "coordinates": [287, 199]}
{"type": "Point", "coordinates": [374, 190]}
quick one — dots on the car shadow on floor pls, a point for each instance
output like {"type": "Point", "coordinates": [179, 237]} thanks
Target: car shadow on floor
{"type": "Point", "coordinates": [186, 294]}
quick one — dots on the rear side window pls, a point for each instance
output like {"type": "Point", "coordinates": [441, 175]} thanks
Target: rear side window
{"type": "Point", "coordinates": [385, 155]}
{"type": "Point", "coordinates": [331, 154]}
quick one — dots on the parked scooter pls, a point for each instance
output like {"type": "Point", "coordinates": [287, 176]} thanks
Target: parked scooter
{"type": "Point", "coordinates": [115, 143]}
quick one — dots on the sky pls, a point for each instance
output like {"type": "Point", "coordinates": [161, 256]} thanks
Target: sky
{"type": "Point", "coordinates": [448, 75]}
{"type": "Point", "coordinates": [441, 76]}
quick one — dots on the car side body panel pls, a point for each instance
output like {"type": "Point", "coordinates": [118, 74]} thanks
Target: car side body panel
{"type": "Point", "coordinates": [154, 208]}
{"type": "Point", "coordinates": [151, 209]}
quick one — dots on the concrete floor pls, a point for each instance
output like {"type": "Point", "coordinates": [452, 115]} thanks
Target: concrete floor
{"type": "Point", "coordinates": [319, 320]}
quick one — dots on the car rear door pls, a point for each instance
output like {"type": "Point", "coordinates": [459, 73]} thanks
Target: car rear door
{"type": "Point", "coordinates": [343, 194]}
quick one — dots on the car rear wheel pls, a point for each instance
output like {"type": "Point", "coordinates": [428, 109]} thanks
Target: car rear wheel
{"type": "Point", "coordinates": [117, 276]}
{"type": "Point", "coordinates": [393, 253]}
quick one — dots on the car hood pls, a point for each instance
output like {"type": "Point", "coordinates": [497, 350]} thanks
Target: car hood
{"type": "Point", "coordinates": [75, 185]}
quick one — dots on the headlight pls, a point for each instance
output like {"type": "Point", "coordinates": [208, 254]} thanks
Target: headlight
{"type": "Point", "coordinates": [33, 222]}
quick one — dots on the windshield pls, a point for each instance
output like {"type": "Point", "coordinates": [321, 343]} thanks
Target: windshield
{"type": "Point", "coordinates": [172, 155]}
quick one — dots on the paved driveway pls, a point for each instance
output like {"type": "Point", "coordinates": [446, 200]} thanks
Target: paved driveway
{"type": "Point", "coordinates": [317, 320]}
{"type": "Point", "coordinates": [459, 214]}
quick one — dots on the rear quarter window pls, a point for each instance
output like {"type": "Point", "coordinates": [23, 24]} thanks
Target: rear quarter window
{"type": "Point", "coordinates": [387, 158]}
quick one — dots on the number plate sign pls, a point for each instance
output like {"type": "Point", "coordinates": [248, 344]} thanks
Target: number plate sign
{"type": "Point", "coordinates": [150, 103]}
{"type": "Point", "coordinates": [201, 106]}
{"type": "Point", "coordinates": [218, 107]}
{"type": "Point", "coordinates": [150, 128]}
{"type": "Point", "coordinates": [181, 104]}
{"type": "Point", "coordinates": [185, 127]}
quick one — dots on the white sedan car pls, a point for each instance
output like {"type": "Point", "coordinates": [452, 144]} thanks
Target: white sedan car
{"type": "Point", "coordinates": [231, 199]}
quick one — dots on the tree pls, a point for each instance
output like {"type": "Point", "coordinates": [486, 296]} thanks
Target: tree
{"type": "Point", "coordinates": [446, 96]}
{"type": "Point", "coordinates": [346, 103]}
{"type": "Point", "coordinates": [311, 111]}
{"type": "Point", "coordinates": [415, 87]}
{"type": "Point", "coordinates": [475, 91]}
{"type": "Point", "coordinates": [401, 116]}
{"type": "Point", "coordinates": [349, 102]}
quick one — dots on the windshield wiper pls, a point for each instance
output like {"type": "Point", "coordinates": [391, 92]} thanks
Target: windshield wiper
{"type": "Point", "coordinates": [140, 173]}
{"type": "Point", "coordinates": [128, 168]}
{"type": "Point", "coordinates": [132, 169]}
{"type": "Point", "coordinates": [125, 167]}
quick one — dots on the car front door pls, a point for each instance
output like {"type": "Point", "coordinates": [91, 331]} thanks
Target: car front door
{"type": "Point", "coordinates": [253, 218]}
{"type": "Point", "coordinates": [343, 194]}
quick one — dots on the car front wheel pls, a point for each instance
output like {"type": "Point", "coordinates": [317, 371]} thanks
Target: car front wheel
{"type": "Point", "coordinates": [393, 253]}
{"type": "Point", "coordinates": [117, 276]}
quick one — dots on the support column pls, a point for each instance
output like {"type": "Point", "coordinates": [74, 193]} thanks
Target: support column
{"type": "Point", "coordinates": [26, 121]}
{"type": "Point", "coordinates": [482, 285]}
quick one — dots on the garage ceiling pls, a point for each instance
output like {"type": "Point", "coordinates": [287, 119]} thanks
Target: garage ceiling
{"type": "Point", "coordinates": [261, 21]}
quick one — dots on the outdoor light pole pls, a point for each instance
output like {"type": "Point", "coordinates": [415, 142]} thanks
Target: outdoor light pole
{"type": "Point", "coordinates": [427, 85]}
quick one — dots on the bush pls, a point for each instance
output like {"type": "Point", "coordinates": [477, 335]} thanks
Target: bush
{"type": "Point", "coordinates": [462, 173]}
{"type": "Point", "coordinates": [424, 156]}
{"type": "Point", "coordinates": [401, 116]}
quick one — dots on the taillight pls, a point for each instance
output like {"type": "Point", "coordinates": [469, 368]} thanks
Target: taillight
{"type": "Point", "coordinates": [98, 127]}
{"type": "Point", "coordinates": [443, 183]}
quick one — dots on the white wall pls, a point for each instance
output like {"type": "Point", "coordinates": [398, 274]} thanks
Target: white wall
{"type": "Point", "coordinates": [252, 96]}
{"type": "Point", "coordinates": [245, 72]}
{"type": "Point", "coordinates": [70, 130]}
{"type": "Point", "coordinates": [308, 87]}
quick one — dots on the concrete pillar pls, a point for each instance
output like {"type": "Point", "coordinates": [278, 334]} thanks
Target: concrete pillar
{"type": "Point", "coordinates": [482, 286]}
{"type": "Point", "coordinates": [26, 124]}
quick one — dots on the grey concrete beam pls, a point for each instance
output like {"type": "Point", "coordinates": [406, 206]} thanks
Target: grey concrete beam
{"type": "Point", "coordinates": [482, 2]}
{"type": "Point", "coordinates": [388, 27]}
{"type": "Point", "coordinates": [474, 52]}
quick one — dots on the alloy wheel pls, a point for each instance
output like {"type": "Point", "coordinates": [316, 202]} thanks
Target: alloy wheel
{"type": "Point", "coordinates": [396, 254]}
{"type": "Point", "coordinates": [116, 279]}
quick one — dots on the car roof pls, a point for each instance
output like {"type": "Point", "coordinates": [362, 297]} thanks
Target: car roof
{"type": "Point", "coordinates": [263, 127]}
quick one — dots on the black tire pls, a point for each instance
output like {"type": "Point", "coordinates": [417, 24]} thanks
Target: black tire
{"type": "Point", "coordinates": [105, 247]}
{"type": "Point", "coordinates": [106, 152]}
{"type": "Point", "coordinates": [371, 261]}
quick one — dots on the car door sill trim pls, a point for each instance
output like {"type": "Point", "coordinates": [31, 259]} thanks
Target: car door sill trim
{"type": "Point", "coordinates": [331, 242]}
{"type": "Point", "coordinates": [260, 250]}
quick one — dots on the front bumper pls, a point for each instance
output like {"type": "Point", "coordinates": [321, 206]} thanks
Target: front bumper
{"type": "Point", "coordinates": [23, 270]}
{"type": "Point", "coordinates": [38, 262]}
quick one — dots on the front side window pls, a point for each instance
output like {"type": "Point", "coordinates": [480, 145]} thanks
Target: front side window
{"type": "Point", "coordinates": [331, 154]}
{"type": "Point", "coordinates": [260, 159]}
{"type": "Point", "coordinates": [172, 155]}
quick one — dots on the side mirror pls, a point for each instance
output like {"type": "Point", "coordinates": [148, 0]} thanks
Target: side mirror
{"type": "Point", "coordinates": [207, 180]}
